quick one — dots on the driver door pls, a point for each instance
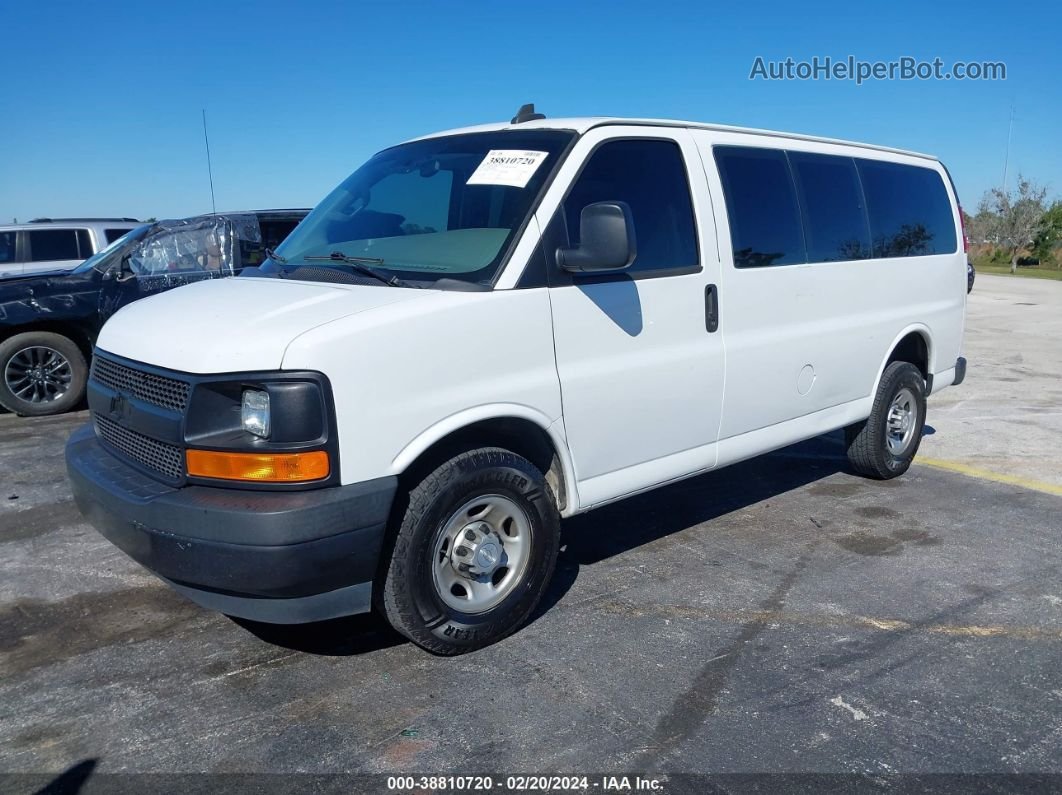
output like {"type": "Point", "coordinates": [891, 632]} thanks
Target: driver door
{"type": "Point", "coordinates": [639, 363]}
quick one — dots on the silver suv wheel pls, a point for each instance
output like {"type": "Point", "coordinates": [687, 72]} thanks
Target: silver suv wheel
{"type": "Point", "coordinates": [38, 374]}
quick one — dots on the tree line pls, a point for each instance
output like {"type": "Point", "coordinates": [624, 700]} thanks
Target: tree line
{"type": "Point", "coordinates": [1018, 226]}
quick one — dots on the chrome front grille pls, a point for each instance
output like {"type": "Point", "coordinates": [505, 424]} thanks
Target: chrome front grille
{"type": "Point", "coordinates": [157, 456]}
{"type": "Point", "coordinates": [159, 390]}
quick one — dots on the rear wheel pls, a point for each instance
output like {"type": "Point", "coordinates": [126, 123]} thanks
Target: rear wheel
{"type": "Point", "coordinates": [473, 552]}
{"type": "Point", "coordinates": [41, 373]}
{"type": "Point", "coordinates": [885, 444]}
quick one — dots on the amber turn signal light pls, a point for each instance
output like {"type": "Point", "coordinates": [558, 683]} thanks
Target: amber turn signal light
{"type": "Point", "coordinates": [258, 467]}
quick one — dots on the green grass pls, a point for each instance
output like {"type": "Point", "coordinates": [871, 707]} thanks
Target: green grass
{"type": "Point", "coordinates": [1004, 270]}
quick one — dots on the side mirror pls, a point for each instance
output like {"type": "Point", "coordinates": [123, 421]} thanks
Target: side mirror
{"type": "Point", "coordinates": [606, 240]}
{"type": "Point", "coordinates": [118, 271]}
{"type": "Point", "coordinates": [125, 273]}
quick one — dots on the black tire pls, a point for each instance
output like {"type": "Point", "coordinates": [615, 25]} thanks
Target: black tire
{"type": "Point", "coordinates": [869, 450]}
{"type": "Point", "coordinates": [408, 596]}
{"type": "Point", "coordinates": [12, 351]}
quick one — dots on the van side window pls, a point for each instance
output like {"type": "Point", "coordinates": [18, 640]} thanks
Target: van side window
{"type": "Point", "coordinates": [649, 175]}
{"type": "Point", "coordinates": [910, 213]}
{"type": "Point", "coordinates": [53, 244]}
{"type": "Point", "coordinates": [835, 221]}
{"type": "Point", "coordinates": [761, 204]}
{"type": "Point", "coordinates": [114, 234]}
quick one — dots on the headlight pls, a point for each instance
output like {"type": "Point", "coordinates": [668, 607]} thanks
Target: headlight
{"type": "Point", "coordinates": [254, 412]}
{"type": "Point", "coordinates": [272, 428]}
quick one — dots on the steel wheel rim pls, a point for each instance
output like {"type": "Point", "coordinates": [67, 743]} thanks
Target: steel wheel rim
{"type": "Point", "coordinates": [901, 422]}
{"type": "Point", "coordinates": [38, 374]}
{"type": "Point", "coordinates": [495, 534]}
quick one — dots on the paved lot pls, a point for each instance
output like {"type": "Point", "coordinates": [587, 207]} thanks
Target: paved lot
{"type": "Point", "coordinates": [1007, 417]}
{"type": "Point", "coordinates": [781, 615]}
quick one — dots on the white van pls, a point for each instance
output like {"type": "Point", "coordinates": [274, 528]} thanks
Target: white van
{"type": "Point", "coordinates": [486, 330]}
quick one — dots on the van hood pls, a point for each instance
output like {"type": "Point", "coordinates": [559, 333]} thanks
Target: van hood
{"type": "Point", "coordinates": [233, 325]}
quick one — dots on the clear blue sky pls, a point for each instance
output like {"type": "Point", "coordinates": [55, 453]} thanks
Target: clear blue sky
{"type": "Point", "coordinates": [103, 99]}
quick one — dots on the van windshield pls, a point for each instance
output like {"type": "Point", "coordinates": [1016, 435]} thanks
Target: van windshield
{"type": "Point", "coordinates": [441, 208]}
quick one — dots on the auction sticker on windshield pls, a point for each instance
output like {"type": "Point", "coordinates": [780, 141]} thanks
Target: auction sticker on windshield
{"type": "Point", "coordinates": [512, 167]}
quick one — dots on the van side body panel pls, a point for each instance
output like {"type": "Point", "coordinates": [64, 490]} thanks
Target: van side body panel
{"type": "Point", "coordinates": [806, 338]}
{"type": "Point", "coordinates": [802, 348]}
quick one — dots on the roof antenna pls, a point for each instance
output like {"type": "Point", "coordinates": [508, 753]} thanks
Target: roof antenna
{"type": "Point", "coordinates": [210, 171]}
{"type": "Point", "coordinates": [527, 113]}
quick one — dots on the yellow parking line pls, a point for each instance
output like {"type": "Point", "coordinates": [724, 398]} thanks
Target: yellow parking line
{"type": "Point", "coordinates": [997, 477]}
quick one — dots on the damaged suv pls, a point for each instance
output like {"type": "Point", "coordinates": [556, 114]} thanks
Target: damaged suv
{"type": "Point", "coordinates": [49, 321]}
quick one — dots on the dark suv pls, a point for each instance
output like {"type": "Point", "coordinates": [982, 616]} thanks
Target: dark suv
{"type": "Point", "coordinates": [49, 321]}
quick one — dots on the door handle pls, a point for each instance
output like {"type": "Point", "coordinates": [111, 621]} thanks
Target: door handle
{"type": "Point", "coordinates": [711, 308]}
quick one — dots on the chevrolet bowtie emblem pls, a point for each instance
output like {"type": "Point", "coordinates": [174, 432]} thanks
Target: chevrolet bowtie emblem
{"type": "Point", "coordinates": [119, 407]}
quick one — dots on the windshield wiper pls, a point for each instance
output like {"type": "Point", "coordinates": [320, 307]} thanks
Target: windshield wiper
{"type": "Point", "coordinates": [363, 265]}
{"type": "Point", "coordinates": [274, 256]}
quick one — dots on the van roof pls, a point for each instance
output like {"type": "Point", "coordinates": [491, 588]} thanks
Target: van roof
{"type": "Point", "coordinates": [584, 123]}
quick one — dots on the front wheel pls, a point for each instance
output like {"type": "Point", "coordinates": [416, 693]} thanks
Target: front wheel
{"type": "Point", "coordinates": [473, 552]}
{"type": "Point", "coordinates": [885, 444]}
{"type": "Point", "coordinates": [41, 373]}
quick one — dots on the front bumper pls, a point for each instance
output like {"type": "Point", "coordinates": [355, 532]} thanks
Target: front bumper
{"type": "Point", "coordinates": [279, 557]}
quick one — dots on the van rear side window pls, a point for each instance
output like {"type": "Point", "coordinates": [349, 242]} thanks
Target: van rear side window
{"type": "Point", "coordinates": [910, 214]}
{"type": "Point", "coordinates": [835, 220]}
{"type": "Point", "coordinates": [761, 203]}
{"type": "Point", "coordinates": [794, 207]}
